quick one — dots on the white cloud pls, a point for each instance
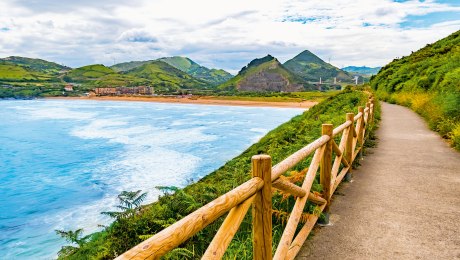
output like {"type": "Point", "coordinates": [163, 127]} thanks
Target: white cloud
{"type": "Point", "coordinates": [222, 34]}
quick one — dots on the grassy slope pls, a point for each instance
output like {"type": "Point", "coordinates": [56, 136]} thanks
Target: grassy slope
{"type": "Point", "coordinates": [11, 72]}
{"type": "Point", "coordinates": [310, 67]}
{"type": "Point", "coordinates": [36, 64]}
{"type": "Point", "coordinates": [279, 143]}
{"type": "Point", "coordinates": [164, 75]}
{"type": "Point", "coordinates": [428, 81]}
{"type": "Point", "coordinates": [88, 73]}
{"type": "Point", "coordinates": [125, 66]}
{"type": "Point", "coordinates": [211, 76]}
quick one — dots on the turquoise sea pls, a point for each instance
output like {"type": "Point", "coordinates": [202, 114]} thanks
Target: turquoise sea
{"type": "Point", "coordinates": [62, 162]}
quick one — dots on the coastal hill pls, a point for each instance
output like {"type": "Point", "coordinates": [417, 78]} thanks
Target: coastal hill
{"type": "Point", "coordinates": [37, 65]}
{"type": "Point", "coordinates": [428, 81]}
{"type": "Point", "coordinates": [265, 74]}
{"type": "Point", "coordinates": [310, 67]}
{"type": "Point", "coordinates": [162, 75]}
{"type": "Point", "coordinates": [88, 73]}
{"type": "Point", "coordinates": [98, 75]}
{"type": "Point", "coordinates": [211, 76]}
{"type": "Point", "coordinates": [16, 69]}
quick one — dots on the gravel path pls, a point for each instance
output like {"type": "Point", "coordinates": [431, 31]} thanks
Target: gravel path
{"type": "Point", "coordinates": [403, 203]}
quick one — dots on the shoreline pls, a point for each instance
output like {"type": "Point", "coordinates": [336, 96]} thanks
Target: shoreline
{"type": "Point", "coordinates": [206, 100]}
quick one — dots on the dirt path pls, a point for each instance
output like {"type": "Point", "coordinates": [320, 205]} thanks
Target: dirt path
{"type": "Point", "coordinates": [403, 203]}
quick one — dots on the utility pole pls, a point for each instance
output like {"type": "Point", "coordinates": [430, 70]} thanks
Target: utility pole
{"type": "Point", "coordinates": [320, 80]}
{"type": "Point", "coordinates": [335, 80]}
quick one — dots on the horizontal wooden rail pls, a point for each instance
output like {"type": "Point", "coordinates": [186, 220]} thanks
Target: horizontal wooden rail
{"type": "Point", "coordinates": [334, 160]}
{"type": "Point", "coordinates": [227, 231]}
{"type": "Point", "coordinates": [298, 156]}
{"type": "Point", "coordinates": [174, 235]}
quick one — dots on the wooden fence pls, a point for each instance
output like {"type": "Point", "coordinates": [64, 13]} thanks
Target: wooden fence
{"type": "Point", "coordinates": [334, 161]}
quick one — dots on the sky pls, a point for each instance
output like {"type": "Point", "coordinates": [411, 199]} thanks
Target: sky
{"type": "Point", "coordinates": [222, 34]}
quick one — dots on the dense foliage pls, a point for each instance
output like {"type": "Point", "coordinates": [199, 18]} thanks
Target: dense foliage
{"type": "Point", "coordinates": [176, 203]}
{"type": "Point", "coordinates": [428, 81]}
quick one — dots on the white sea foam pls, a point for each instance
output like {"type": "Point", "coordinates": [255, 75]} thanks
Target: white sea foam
{"type": "Point", "coordinates": [38, 113]}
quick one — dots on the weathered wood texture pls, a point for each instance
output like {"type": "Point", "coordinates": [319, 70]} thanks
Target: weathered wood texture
{"type": "Point", "coordinates": [262, 208]}
{"type": "Point", "coordinates": [325, 169]}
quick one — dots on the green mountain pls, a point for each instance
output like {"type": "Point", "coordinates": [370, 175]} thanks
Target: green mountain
{"type": "Point", "coordinates": [362, 70]}
{"type": "Point", "coordinates": [125, 66]}
{"type": "Point", "coordinates": [211, 76]}
{"type": "Point", "coordinates": [265, 74]}
{"type": "Point", "coordinates": [37, 65]}
{"type": "Point", "coordinates": [428, 81]}
{"type": "Point", "coordinates": [99, 75]}
{"type": "Point", "coordinates": [88, 73]}
{"type": "Point", "coordinates": [164, 76]}
{"type": "Point", "coordinates": [310, 67]}
{"type": "Point", "coordinates": [15, 73]}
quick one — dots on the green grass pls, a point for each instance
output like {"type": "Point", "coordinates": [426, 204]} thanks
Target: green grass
{"type": "Point", "coordinates": [279, 97]}
{"type": "Point", "coordinates": [166, 77]}
{"type": "Point", "coordinates": [427, 81]}
{"type": "Point", "coordinates": [279, 143]}
{"type": "Point", "coordinates": [88, 73]}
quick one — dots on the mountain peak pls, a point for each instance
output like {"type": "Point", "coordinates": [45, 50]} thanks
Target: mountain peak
{"type": "Point", "coordinates": [257, 62]}
{"type": "Point", "coordinates": [308, 56]}
{"type": "Point", "coordinates": [311, 68]}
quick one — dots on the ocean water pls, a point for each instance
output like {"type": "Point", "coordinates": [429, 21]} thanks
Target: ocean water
{"type": "Point", "coordinates": [64, 162]}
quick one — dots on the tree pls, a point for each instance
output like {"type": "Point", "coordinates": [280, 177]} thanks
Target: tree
{"type": "Point", "coordinates": [74, 237]}
{"type": "Point", "coordinates": [130, 204]}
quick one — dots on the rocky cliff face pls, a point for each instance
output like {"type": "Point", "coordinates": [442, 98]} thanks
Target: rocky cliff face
{"type": "Point", "coordinates": [266, 81]}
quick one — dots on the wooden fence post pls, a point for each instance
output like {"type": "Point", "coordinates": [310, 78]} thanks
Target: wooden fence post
{"type": "Point", "coordinates": [262, 209]}
{"type": "Point", "coordinates": [361, 126]}
{"type": "Point", "coordinates": [371, 111]}
{"type": "Point", "coordinates": [325, 170]}
{"type": "Point", "coordinates": [349, 145]}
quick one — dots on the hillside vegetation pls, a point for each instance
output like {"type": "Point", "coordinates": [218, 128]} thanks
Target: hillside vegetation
{"type": "Point", "coordinates": [310, 67]}
{"type": "Point", "coordinates": [428, 81]}
{"type": "Point", "coordinates": [211, 76]}
{"type": "Point", "coordinates": [88, 73]}
{"type": "Point", "coordinates": [265, 74]}
{"type": "Point", "coordinates": [164, 76]}
{"type": "Point", "coordinates": [130, 228]}
{"type": "Point", "coordinates": [38, 65]}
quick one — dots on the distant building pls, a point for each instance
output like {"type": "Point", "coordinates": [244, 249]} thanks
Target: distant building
{"type": "Point", "coordinates": [105, 91]}
{"type": "Point", "coordinates": [140, 90]}
{"type": "Point", "coordinates": [68, 87]}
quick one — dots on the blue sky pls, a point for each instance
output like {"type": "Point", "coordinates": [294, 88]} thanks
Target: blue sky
{"type": "Point", "coordinates": [222, 34]}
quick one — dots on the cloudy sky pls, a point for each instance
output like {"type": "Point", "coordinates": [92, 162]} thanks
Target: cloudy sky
{"type": "Point", "coordinates": [222, 34]}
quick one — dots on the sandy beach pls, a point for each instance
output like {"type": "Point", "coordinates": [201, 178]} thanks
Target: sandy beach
{"type": "Point", "coordinates": [198, 100]}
